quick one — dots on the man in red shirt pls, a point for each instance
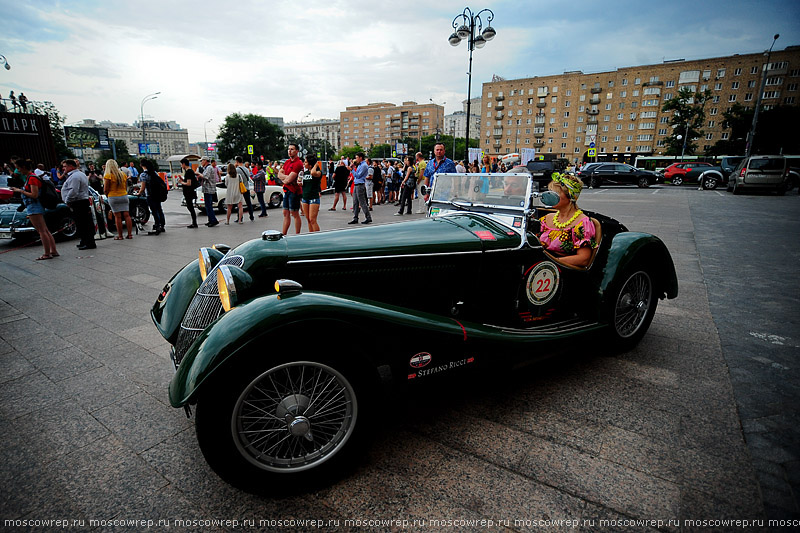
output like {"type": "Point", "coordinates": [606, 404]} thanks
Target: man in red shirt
{"type": "Point", "coordinates": [292, 191]}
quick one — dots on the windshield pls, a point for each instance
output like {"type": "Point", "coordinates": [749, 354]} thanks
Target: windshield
{"type": "Point", "coordinates": [489, 190]}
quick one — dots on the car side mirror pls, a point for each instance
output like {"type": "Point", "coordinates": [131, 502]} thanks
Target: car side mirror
{"type": "Point", "coordinates": [550, 198]}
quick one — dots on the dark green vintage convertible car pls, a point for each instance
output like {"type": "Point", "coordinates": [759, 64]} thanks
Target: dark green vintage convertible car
{"type": "Point", "coordinates": [249, 325]}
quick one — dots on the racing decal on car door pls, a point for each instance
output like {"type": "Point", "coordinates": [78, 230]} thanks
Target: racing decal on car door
{"type": "Point", "coordinates": [542, 282]}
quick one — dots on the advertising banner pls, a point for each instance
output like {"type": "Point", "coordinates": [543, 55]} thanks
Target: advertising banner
{"type": "Point", "coordinates": [79, 137]}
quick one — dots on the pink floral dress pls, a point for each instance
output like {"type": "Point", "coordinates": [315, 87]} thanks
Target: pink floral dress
{"type": "Point", "coordinates": [567, 241]}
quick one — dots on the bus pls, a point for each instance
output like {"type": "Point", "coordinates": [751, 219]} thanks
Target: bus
{"type": "Point", "coordinates": [658, 163]}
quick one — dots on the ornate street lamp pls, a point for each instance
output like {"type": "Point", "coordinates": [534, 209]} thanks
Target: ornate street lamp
{"type": "Point", "coordinates": [468, 27]}
{"type": "Point", "coordinates": [141, 112]}
{"type": "Point", "coordinates": [206, 134]}
{"type": "Point", "coordinates": [752, 135]}
{"type": "Point", "coordinates": [4, 62]}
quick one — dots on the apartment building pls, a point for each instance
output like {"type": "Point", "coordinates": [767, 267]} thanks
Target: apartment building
{"type": "Point", "coordinates": [315, 130]}
{"type": "Point", "coordinates": [620, 111]}
{"type": "Point", "coordinates": [456, 123]}
{"type": "Point", "coordinates": [386, 123]}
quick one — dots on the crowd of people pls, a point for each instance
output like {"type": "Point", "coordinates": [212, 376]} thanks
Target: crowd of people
{"type": "Point", "coordinates": [370, 183]}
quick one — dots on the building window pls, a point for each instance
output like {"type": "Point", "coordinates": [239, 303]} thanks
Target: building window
{"type": "Point", "coordinates": [735, 85]}
{"type": "Point", "coordinates": [788, 100]}
{"type": "Point", "coordinates": [748, 97]}
{"type": "Point", "coordinates": [709, 136]}
{"type": "Point", "coordinates": [689, 76]}
{"type": "Point", "coordinates": [717, 86]}
{"type": "Point", "coordinates": [669, 84]}
{"type": "Point", "coordinates": [770, 94]}
{"type": "Point", "coordinates": [636, 92]}
{"type": "Point", "coordinates": [711, 123]}
{"type": "Point", "coordinates": [715, 100]}
{"type": "Point", "coordinates": [662, 131]}
{"type": "Point", "coordinates": [753, 70]}
{"type": "Point", "coordinates": [775, 80]}
{"type": "Point", "coordinates": [553, 99]}
{"type": "Point", "coordinates": [619, 127]}
{"type": "Point", "coordinates": [569, 92]}
{"type": "Point", "coordinates": [664, 120]}
{"type": "Point", "coordinates": [637, 81]}
{"type": "Point", "coordinates": [791, 87]}
{"type": "Point", "coordinates": [623, 94]}
{"type": "Point", "coordinates": [566, 114]}
{"type": "Point", "coordinates": [713, 111]}
{"type": "Point", "coordinates": [582, 98]}
{"type": "Point", "coordinates": [721, 73]}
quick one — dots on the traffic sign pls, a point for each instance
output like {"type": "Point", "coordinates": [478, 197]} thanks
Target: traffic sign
{"type": "Point", "coordinates": [591, 145]}
{"type": "Point", "coordinates": [592, 152]}
{"type": "Point", "coordinates": [250, 149]}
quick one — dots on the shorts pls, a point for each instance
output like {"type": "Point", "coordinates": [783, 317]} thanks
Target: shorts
{"type": "Point", "coordinates": [311, 201]}
{"type": "Point", "coordinates": [118, 204]}
{"type": "Point", "coordinates": [33, 207]}
{"type": "Point", "coordinates": [370, 186]}
{"type": "Point", "coordinates": [291, 201]}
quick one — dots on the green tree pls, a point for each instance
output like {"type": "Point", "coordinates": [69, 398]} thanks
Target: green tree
{"type": "Point", "coordinates": [57, 129]}
{"type": "Point", "coordinates": [349, 151]}
{"type": "Point", "coordinates": [238, 131]}
{"type": "Point", "coordinates": [380, 150]}
{"type": "Point", "coordinates": [123, 157]}
{"type": "Point", "coordinates": [737, 121]}
{"type": "Point", "coordinates": [776, 131]}
{"type": "Point", "coordinates": [688, 116]}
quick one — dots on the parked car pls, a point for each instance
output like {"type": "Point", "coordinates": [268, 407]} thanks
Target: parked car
{"type": "Point", "coordinates": [481, 292]}
{"type": "Point", "coordinates": [618, 174]}
{"type": "Point", "coordinates": [762, 172]}
{"type": "Point", "coordinates": [676, 171]}
{"type": "Point", "coordinates": [541, 171]}
{"type": "Point", "coordinates": [711, 177]}
{"type": "Point", "coordinates": [273, 197]}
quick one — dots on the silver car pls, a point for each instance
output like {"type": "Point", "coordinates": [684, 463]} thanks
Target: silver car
{"type": "Point", "coordinates": [761, 172]}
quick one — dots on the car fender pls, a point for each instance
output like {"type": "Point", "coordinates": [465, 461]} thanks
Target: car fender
{"type": "Point", "coordinates": [174, 300]}
{"type": "Point", "coordinates": [258, 322]}
{"type": "Point", "coordinates": [709, 172]}
{"type": "Point", "coordinates": [630, 248]}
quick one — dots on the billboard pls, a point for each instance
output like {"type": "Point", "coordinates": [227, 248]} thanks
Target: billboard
{"type": "Point", "coordinates": [149, 148]}
{"type": "Point", "coordinates": [79, 137]}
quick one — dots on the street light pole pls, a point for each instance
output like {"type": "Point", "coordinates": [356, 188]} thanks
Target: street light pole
{"type": "Point", "coordinates": [752, 135]}
{"type": "Point", "coordinates": [206, 134]}
{"type": "Point", "coordinates": [469, 23]}
{"type": "Point", "coordinates": [685, 138]}
{"type": "Point", "coordinates": [141, 112]}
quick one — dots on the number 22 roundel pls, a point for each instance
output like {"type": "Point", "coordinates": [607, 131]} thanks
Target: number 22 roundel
{"type": "Point", "coordinates": [542, 283]}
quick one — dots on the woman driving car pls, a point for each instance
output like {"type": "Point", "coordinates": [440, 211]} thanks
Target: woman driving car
{"type": "Point", "coordinates": [568, 233]}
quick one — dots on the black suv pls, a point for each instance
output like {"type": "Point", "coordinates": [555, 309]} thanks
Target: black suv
{"type": "Point", "coordinates": [618, 173]}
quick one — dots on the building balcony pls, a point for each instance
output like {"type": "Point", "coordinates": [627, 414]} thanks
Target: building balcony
{"type": "Point", "coordinates": [499, 115]}
{"type": "Point", "coordinates": [595, 90]}
{"type": "Point", "coordinates": [595, 100]}
{"type": "Point", "coordinates": [652, 83]}
{"type": "Point", "coordinates": [592, 111]}
{"type": "Point", "coordinates": [497, 146]}
{"type": "Point", "coordinates": [541, 104]}
{"type": "Point", "coordinates": [592, 120]}
{"type": "Point", "coordinates": [538, 144]}
{"type": "Point", "coordinates": [499, 107]}
{"type": "Point", "coordinates": [538, 135]}
{"type": "Point", "coordinates": [499, 97]}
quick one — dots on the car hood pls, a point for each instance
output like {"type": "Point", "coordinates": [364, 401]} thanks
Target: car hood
{"type": "Point", "coordinates": [440, 235]}
{"type": "Point", "coordinates": [10, 217]}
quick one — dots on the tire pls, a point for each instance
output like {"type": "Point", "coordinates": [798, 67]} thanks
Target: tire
{"type": "Point", "coordinates": [67, 228]}
{"type": "Point", "coordinates": [677, 180]}
{"type": "Point", "coordinates": [632, 307]}
{"type": "Point", "coordinates": [221, 206]}
{"type": "Point", "coordinates": [298, 447]}
{"type": "Point", "coordinates": [644, 182]}
{"type": "Point", "coordinates": [141, 212]}
{"type": "Point", "coordinates": [710, 182]}
{"type": "Point", "coordinates": [276, 199]}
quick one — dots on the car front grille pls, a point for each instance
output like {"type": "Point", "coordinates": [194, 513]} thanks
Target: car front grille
{"type": "Point", "coordinates": [205, 308]}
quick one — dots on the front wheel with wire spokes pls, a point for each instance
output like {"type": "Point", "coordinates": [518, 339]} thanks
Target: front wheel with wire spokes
{"type": "Point", "coordinates": [283, 428]}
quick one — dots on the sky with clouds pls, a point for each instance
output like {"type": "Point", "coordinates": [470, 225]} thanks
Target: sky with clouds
{"type": "Point", "coordinates": [311, 59]}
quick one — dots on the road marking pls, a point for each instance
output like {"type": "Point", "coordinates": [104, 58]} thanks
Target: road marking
{"type": "Point", "coordinates": [655, 191]}
{"type": "Point", "coordinates": [719, 193]}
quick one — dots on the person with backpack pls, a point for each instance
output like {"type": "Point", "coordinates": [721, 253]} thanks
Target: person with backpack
{"type": "Point", "coordinates": [189, 184]}
{"type": "Point", "coordinates": [34, 208]}
{"type": "Point", "coordinates": [156, 192]}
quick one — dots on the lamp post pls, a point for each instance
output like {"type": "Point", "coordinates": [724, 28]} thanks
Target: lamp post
{"type": "Point", "coordinates": [4, 62]}
{"type": "Point", "coordinates": [141, 113]}
{"type": "Point", "coordinates": [752, 135]}
{"type": "Point", "coordinates": [466, 25]}
{"type": "Point", "coordinates": [206, 134]}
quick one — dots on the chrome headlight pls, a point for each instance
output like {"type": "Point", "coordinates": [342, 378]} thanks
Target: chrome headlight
{"type": "Point", "coordinates": [232, 284]}
{"type": "Point", "coordinates": [209, 258]}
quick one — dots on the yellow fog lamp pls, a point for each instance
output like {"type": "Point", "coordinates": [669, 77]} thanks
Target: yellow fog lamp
{"type": "Point", "coordinates": [209, 258]}
{"type": "Point", "coordinates": [222, 247]}
{"type": "Point", "coordinates": [232, 284]}
{"type": "Point", "coordinates": [287, 286]}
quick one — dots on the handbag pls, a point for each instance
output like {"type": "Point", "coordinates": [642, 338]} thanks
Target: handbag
{"type": "Point", "coordinates": [242, 186]}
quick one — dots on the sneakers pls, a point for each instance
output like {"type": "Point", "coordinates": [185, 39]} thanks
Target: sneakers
{"type": "Point", "coordinates": [398, 214]}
